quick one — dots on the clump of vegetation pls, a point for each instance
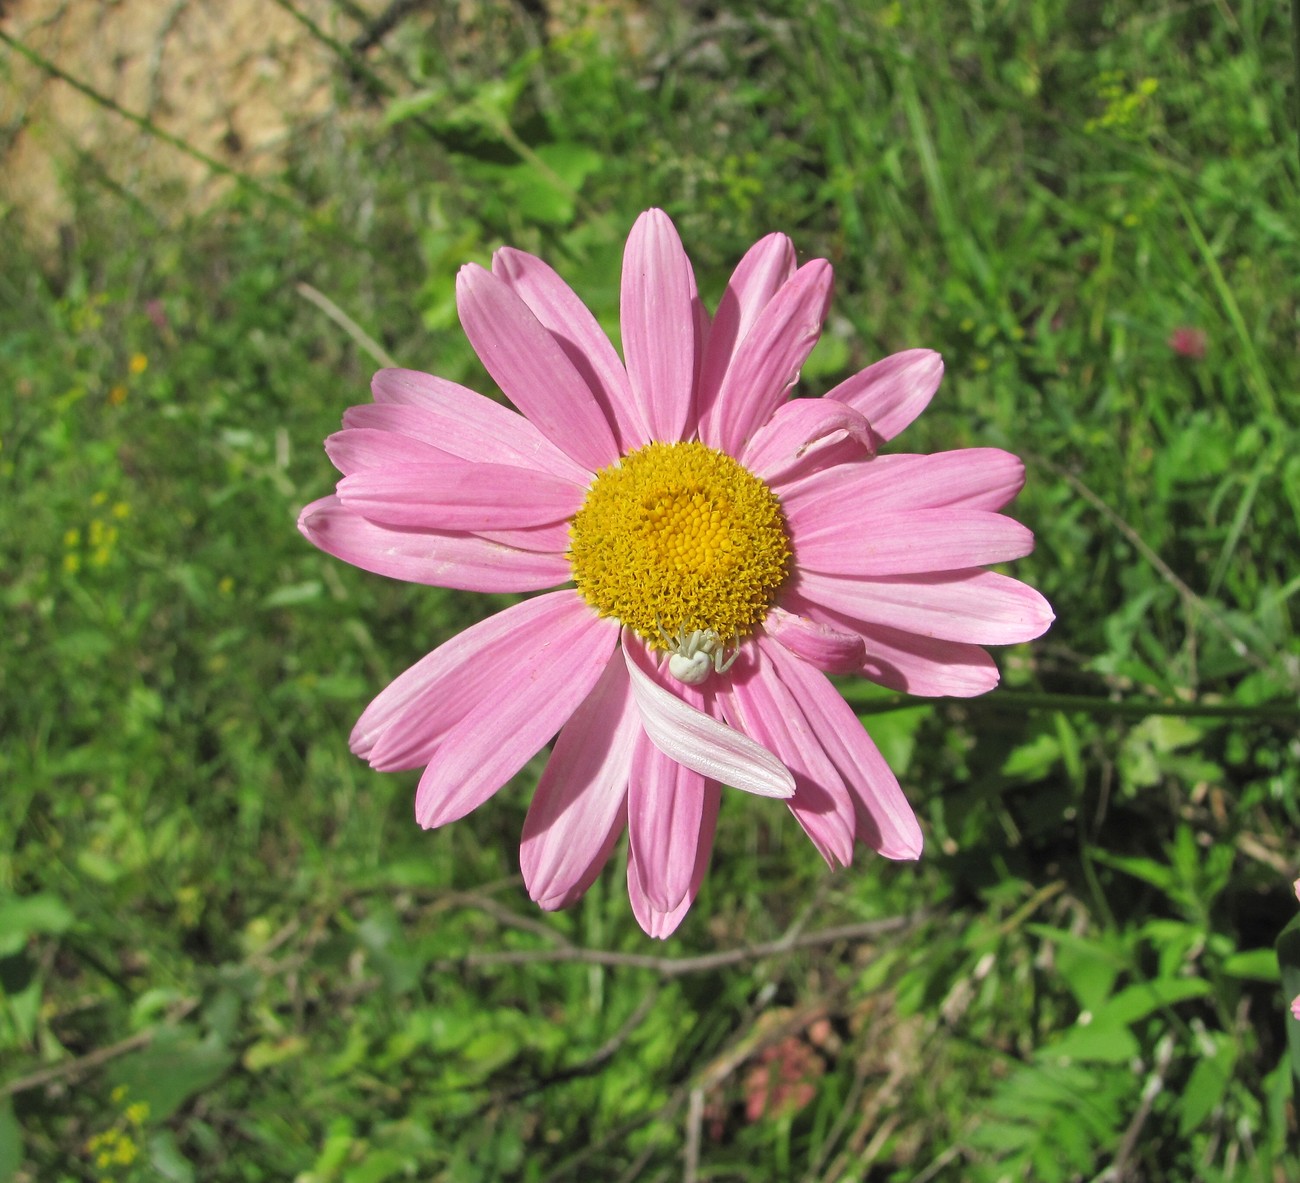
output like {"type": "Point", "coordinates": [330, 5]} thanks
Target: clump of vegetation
{"type": "Point", "coordinates": [226, 951]}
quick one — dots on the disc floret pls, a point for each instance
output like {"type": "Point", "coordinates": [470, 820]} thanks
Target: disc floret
{"type": "Point", "coordinates": [683, 545]}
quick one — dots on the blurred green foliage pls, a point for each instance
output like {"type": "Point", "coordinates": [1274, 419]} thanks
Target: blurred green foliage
{"type": "Point", "coordinates": [226, 951]}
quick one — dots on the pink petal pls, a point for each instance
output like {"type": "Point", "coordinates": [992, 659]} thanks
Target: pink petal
{"type": "Point", "coordinates": [926, 666]}
{"type": "Point", "coordinates": [659, 326]}
{"type": "Point", "coordinates": [767, 362]}
{"type": "Point", "coordinates": [665, 802]}
{"type": "Point", "coordinates": [531, 368]}
{"type": "Point", "coordinates": [901, 660]}
{"type": "Point", "coordinates": [694, 739]}
{"type": "Point", "coordinates": [756, 702]}
{"type": "Point", "coordinates": [580, 807]}
{"type": "Point", "coordinates": [569, 320]}
{"type": "Point", "coordinates": [552, 672]}
{"type": "Point", "coordinates": [766, 267]}
{"type": "Point", "coordinates": [968, 478]}
{"type": "Point", "coordinates": [894, 391]}
{"type": "Point", "coordinates": [884, 819]}
{"type": "Point", "coordinates": [979, 607]}
{"type": "Point", "coordinates": [843, 538]}
{"type": "Point", "coordinates": [443, 560]}
{"type": "Point", "coordinates": [460, 421]}
{"type": "Point", "coordinates": [801, 432]}
{"type": "Point", "coordinates": [407, 722]}
{"type": "Point", "coordinates": [457, 495]}
{"type": "Point", "coordinates": [830, 649]}
{"type": "Point", "coordinates": [357, 448]}
{"type": "Point", "coordinates": [659, 924]}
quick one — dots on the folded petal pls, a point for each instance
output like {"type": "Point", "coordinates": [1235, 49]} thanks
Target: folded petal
{"type": "Point", "coordinates": [694, 739]}
{"type": "Point", "coordinates": [766, 363]}
{"type": "Point", "coordinates": [835, 651]}
{"type": "Point", "coordinates": [457, 495]}
{"type": "Point", "coordinates": [580, 806]}
{"type": "Point", "coordinates": [755, 701]}
{"type": "Point", "coordinates": [968, 478]}
{"type": "Point", "coordinates": [459, 561]}
{"type": "Point", "coordinates": [460, 421]}
{"type": "Point", "coordinates": [584, 342]}
{"type": "Point", "coordinates": [659, 327]}
{"type": "Point", "coordinates": [893, 391]}
{"type": "Point", "coordinates": [665, 802]}
{"type": "Point", "coordinates": [765, 268]}
{"type": "Point", "coordinates": [883, 818]}
{"type": "Point", "coordinates": [841, 538]}
{"type": "Point", "coordinates": [552, 672]}
{"type": "Point", "coordinates": [531, 368]}
{"type": "Point", "coordinates": [802, 435]}
{"type": "Point", "coordinates": [979, 607]}
{"type": "Point", "coordinates": [407, 721]}
{"type": "Point", "coordinates": [899, 660]}
{"type": "Point", "coordinates": [660, 924]}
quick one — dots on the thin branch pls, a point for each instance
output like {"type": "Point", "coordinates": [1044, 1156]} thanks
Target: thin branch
{"type": "Point", "coordinates": [675, 967]}
{"type": "Point", "coordinates": [363, 339]}
{"type": "Point", "coordinates": [71, 1069]}
{"type": "Point", "coordinates": [1133, 708]}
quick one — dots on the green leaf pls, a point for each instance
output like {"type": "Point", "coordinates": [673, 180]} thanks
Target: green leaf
{"type": "Point", "coordinates": [1100, 1043]}
{"type": "Point", "coordinates": [24, 916]}
{"type": "Point", "coordinates": [1206, 1086]}
{"type": "Point", "coordinates": [1256, 964]}
{"type": "Point", "coordinates": [1141, 999]}
{"type": "Point", "coordinates": [172, 1069]}
{"type": "Point", "coordinates": [11, 1141]}
{"type": "Point", "coordinates": [1288, 960]}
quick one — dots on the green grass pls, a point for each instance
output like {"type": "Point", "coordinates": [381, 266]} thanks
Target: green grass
{"type": "Point", "coordinates": [209, 908]}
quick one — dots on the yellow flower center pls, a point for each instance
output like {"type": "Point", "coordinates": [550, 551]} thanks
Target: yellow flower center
{"type": "Point", "coordinates": [679, 539]}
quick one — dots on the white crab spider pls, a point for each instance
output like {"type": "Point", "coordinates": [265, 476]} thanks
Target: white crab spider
{"type": "Point", "coordinates": [696, 655]}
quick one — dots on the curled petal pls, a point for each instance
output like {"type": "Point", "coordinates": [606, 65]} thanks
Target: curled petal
{"type": "Point", "coordinates": [659, 326]}
{"type": "Point", "coordinates": [763, 271]}
{"type": "Point", "coordinates": [832, 650]}
{"type": "Point", "coordinates": [531, 368]}
{"type": "Point", "coordinates": [884, 819]}
{"type": "Point", "coordinates": [580, 806]}
{"type": "Point", "coordinates": [802, 433]}
{"type": "Point", "coordinates": [694, 739]}
{"type": "Point", "coordinates": [460, 561]}
{"type": "Point", "coordinates": [903, 660]}
{"type": "Point", "coordinates": [893, 391]}
{"type": "Point", "coordinates": [767, 362]}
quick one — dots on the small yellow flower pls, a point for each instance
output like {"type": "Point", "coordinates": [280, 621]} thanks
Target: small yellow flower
{"type": "Point", "coordinates": [117, 395]}
{"type": "Point", "coordinates": [121, 510]}
{"type": "Point", "coordinates": [139, 363]}
{"type": "Point", "coordinates": [72, 538]}
{"type": "Point", "coordinates": [98, 498]}
{"type": "Point", "coordinates": [71, 564]}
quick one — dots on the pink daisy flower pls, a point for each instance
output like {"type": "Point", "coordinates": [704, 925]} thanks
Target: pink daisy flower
{"type": "Point", "coordinates": [718, 548]}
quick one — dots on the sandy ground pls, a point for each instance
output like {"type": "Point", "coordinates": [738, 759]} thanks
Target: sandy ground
{"type": "Point", "coordinates": [231, 78]}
